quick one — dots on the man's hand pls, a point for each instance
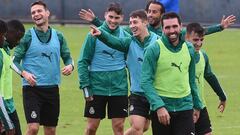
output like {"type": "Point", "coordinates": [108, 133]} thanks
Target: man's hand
{"type": "Point", "coordinates": [29, 77]}
{"type": "Point", "coordinates": [196, 114]}
{"type": "Point", "coordinates": [89, 98]}
{"type": "Point", "coordinates": [222, 106]}
{"type": "Point", "coordinates": [67, 70]}
{"type": "Point", "coordinates": [10, 132]}
{"type": "Point", "coordinates": [226, 22]}
{"type": "Point", "coordinates": [87, 15]}
{"type": "Point", "coordinates": [95, 31]}
{"type": "Point", "coordinates": [163, 116]}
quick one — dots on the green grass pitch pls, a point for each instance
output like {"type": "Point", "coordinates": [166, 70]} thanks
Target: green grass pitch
{"type": "Point", "coordinates": [223, 50]}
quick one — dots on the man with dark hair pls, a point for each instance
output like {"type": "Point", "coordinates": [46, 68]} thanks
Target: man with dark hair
{"type": "Point", "coordinates": [133, 46]}
{"type": "Point", "coordinates": [103, 76]}
{"type": "Point", "coordinates": [8, 112]}
{"type": "Point", "coordinates": [15, 32]}
{"type": "Point", "coordinates": [195, 35]}
{"type": "Point", "coordinates": [40, 51]}
{"type": "Point", "coordinates": [168, 80]}
{"type": "Point", "coordinates": [154, 10]}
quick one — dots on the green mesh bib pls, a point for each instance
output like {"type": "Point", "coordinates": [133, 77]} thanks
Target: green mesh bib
{"type": "Point", "coordinates": [6, 78]}
{"type": "Point", "coordinates": [172, 74]}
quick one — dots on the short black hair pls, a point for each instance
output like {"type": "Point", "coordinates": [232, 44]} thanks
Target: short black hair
{"type": "Point", "coordinates": [3, 27]}
{"type": "Point", "coordinates": [40, 3]}
{"type": "Point", "coordinates": [139, 13]}
{"type": "Point", "coordinates": [15, 25]}
{"type": "Point", "coordinates": [116, 7]}
{"type": "Point", "coordinates": [170, 15]}
{"type": "Point", "coordinates": [196, 28]}
{"type": "Point", "coordinates": [157, 3]}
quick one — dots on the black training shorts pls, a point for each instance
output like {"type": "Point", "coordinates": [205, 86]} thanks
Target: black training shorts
{"type": "Point", "coordinates": [181, 123]}
{"type": "Point", "coordinates": [117, 107]}
{"type": "Point", "coordinates": [139, 105]}
{"type": "Point", "coordinates": [41, 105]}
{"type": "Point", "coordinates": [203, 124]}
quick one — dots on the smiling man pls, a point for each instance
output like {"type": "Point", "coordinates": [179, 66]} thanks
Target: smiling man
{"type": "Point", "coordinates": [103, 76]}
{"type": "Point", "coordinates": [195, 35]}
{"type": "Point", "coordinates": [41, 74]}
{"type": "Point", "coordinates": [168, 80]}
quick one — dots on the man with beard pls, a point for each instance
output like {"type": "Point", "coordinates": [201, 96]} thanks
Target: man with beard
{"type": "Point", "coordinates": [133, 47]}
{"type": "Point", "coordinates": [8, 113]}
{"type": "Point", "coordinates": [154, 11]}
{"type": "Point", "coordinates": [168, 80]}
{"type": "Point", "coordinates": [195, 35]}
{"type": "Point", "coordinates": [40, 51]}
{"type": "Point", "coordinates": [103, 76]}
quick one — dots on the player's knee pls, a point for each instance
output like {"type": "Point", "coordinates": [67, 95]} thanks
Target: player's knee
{"type": "Point", "coordinates": [32, 129]}
{"type": "Point", "coordinates": [91, 127]}
{"type": "Point", "coordinates": [118, 126]}
{"type": "Point", "coordinates": [137, 128]}
{"type": "Point", "coordinates": [50, 130]}
{"type": "Point", "coordinates": [146, 127]}
{"type": "Point", "coordinates": [90, 131]}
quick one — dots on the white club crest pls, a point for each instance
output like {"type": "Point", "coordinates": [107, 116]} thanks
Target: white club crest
{"type": "Point", "coordinates": [91, 110]}
{"type": "Point", "coordinates": [131, 108]}
{"type": "Point", "coordinates": [33, 115]}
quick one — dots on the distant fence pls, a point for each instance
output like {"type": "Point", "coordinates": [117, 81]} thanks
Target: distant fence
{"type": "Point", "coordinates": [66, 11]}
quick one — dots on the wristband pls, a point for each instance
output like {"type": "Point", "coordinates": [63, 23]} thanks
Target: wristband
{"type": "Point", "coordinates": [86, 92]}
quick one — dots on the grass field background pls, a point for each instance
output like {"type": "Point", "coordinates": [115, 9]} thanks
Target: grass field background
{"type": "Point", "coordinates": [223, 50]}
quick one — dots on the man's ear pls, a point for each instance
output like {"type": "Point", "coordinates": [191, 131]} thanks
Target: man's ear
{"type": "Point", "coordinates": [122, 17]}
{"type": "Point", "coordinates": [181, 26]}
{"type": "Point", "coordinates": [145, 22]}
{"type": "Point", "coordinates": [48, 12]}
{"type": "Point", "coordinates": [186, 36]}
{"type": "Point", "coordinates": [105, 15]}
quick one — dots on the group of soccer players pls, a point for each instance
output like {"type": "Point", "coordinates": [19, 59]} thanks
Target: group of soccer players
{"type": "Point", "coordinates": [163, 61]}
